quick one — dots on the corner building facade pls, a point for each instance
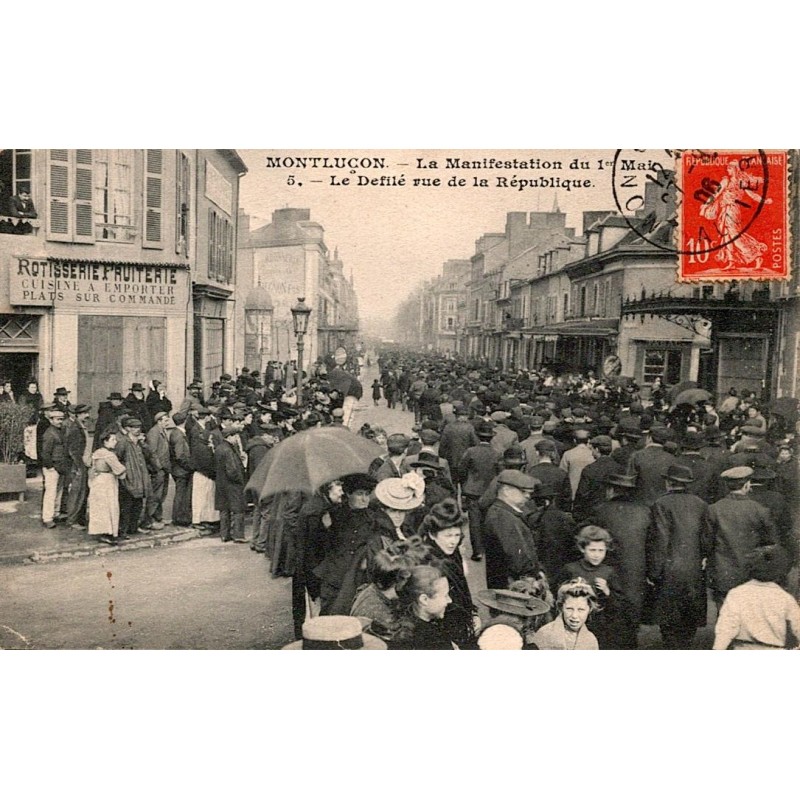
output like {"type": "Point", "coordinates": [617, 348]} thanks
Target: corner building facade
{"type": "Point", "coordinates": [106, 285]}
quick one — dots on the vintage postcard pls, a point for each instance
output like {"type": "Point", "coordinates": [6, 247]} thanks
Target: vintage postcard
{"type": "Point", "coordinates": [398, 399]}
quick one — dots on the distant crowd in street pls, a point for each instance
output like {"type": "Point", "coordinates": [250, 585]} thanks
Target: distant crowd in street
{"type": "Point", "coordinates": [596, 508]}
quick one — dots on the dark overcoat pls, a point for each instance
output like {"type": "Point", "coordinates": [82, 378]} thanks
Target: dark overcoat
{"type": "Point", "coordinates": [510, 548]}
{"type": "Point", "coordinates": [679, 540]}
{"type": "Point", "coordinates": [649, 465]}
{"type": "Point", "coordinates": [230, 481]}
{"type": "Point", "coordinates": [628, 523]}
{"type": "Point", "coordinates": [457, 438]}
{"type": "Point", "coordinates": [738, 525]}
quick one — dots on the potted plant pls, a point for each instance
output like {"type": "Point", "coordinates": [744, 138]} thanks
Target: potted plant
{"type": "Point", "coordinates": [13, 419]}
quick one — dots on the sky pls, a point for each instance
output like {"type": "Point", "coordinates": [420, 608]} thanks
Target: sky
{"type": "Point", "coordinates": [394, 237]}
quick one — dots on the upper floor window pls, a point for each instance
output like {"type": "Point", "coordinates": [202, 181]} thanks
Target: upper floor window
{"type": "Point", "coordinates": [113, 193]}
{"type": "Point", "coordinates": [220, 247]}
{"type": "Point", "coordinates": [16, 204]}
{"type": "Point", "coordinates": [182, 204]}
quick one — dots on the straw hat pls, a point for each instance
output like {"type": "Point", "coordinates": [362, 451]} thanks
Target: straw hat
{"type": "Point", "coordinates": [335, 633]}
{"type": "Point", "coordinates": [515, 603]}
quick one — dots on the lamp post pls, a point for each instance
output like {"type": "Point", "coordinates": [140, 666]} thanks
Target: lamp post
{"type": "Point", "coordinates": [300, 315]}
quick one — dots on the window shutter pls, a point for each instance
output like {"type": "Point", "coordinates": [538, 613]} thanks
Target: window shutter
{"type": "Point", "coordinates": [58, 218]}
{"type": "Point", "coordinates": [84, 215]}
{"type": "Point", "coordinates": [153, 194]}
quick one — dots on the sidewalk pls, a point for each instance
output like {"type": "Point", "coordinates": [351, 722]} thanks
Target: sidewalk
{"type": "Point", "coordinates": [24, 540]}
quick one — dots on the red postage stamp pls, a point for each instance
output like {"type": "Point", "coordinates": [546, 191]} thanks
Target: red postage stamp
{"type": "Point", "coordinates": [733, 219]}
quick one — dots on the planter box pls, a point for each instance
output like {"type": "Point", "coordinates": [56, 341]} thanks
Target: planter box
{"type": "Point", "coordinates": [12, 479]}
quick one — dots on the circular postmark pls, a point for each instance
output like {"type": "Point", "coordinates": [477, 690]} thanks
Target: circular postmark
{"type": "Point", "coordinates": [686, 188]}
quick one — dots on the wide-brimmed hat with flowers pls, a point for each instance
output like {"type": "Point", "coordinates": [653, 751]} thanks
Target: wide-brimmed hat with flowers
{"type": "Point", "coordinates": [401, 494]}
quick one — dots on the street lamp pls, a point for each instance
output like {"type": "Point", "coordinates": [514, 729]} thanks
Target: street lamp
{"type": "Point", "coordinates": [300, 315]}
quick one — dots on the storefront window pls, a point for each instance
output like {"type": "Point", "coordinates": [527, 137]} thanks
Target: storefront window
{"type": "Point", "coordinates": [664, 364]}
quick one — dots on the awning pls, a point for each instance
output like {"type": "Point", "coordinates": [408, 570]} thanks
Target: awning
{"type": "Point", "coordinates": [601, 327]}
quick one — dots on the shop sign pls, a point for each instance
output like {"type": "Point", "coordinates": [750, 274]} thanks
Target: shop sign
{"type": "Point", "coordinates": [139, 288]}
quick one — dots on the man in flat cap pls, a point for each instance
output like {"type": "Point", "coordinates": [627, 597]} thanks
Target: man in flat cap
{"type": "Point", "coordinates": [739, 525]}
{"type": "Point", "coordinates": [76, 439]}
{"type": "Point", "coordinates": [135, 485]}
{"type": "Point", "coordinates": [158, 444]}
{"type": "Point", "coordinates": [510, 549]}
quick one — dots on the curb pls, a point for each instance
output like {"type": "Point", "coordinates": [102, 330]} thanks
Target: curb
{"type": "Point", "coordinates": [147, 542]}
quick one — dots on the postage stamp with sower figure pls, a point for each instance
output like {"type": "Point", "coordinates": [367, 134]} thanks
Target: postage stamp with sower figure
{"type": "Point", "coordinates": [733, 215]}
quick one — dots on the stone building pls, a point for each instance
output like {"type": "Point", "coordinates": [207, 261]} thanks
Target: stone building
{"type": "Point", "coordinates": [280, 262]}
{"type": "Point", "coordinates": [125, 274]}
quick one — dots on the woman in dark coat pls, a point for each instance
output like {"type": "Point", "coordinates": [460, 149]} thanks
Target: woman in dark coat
{"type": "Point", "coordinates": [352, 527]}
{"type": "Point", "coordinates": [229, 498]}
{"type": "Point", "coordinates": [157, 399]}
{"type": "Point", "coordinates": [442, 530]}
{"type": "Point", "coordinates": [312, 541]}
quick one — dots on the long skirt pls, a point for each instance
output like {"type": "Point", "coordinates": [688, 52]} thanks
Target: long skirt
{"type": "Point", "coordinates": [203, 489]}
{"type": "Point", "coordinates": [104, 505]}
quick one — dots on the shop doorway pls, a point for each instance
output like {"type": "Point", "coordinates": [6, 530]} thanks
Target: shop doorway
{"type": "Point", "coordinates": [20, 369]}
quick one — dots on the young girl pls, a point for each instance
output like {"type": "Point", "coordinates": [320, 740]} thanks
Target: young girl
{"type": "Point", "coordinates": [424, 594]}
{"type": "Point", "coordinates": [575, 601]}
{"type": "Point", "coordinates": [608, 624]}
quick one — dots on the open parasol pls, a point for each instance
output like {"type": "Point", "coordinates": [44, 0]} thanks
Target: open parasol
{"type": "Point", "coordinates": [691, 397]}
{"type": "Point", "coordinates": [309, 459]}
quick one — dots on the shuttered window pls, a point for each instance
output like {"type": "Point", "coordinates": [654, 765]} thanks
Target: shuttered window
{"type": "Point", "coordinates": [69, 196]}
{"type": "Point", "coordinates": [220, 247]}
{"type": "Point", "coordinates": [58, 226]}
{"type": "Point", "coordinates": [153, 199]}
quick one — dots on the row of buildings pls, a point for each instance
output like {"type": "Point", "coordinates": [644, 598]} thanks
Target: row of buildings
{"type": "Point", "coordinates": [537, 295]}
{"type": "Point", "coordinates": [140, 265]}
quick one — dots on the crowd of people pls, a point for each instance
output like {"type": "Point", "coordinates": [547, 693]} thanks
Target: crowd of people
{"type": "Point", "coordinates": [595, 508]}
{"type": "Point", "coordinates": [107, 471]}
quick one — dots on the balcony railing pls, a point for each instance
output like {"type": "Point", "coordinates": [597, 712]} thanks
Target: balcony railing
{"type": "Point", "coordinates": [20, 226]}
{"type": "Point", "coordinates": [513, 324]}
